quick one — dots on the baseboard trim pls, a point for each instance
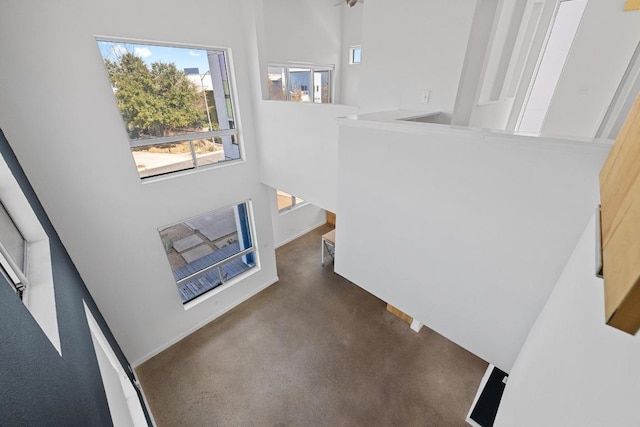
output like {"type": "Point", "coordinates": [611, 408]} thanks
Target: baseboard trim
{"type": "Point", "coordinates": [208, 320]}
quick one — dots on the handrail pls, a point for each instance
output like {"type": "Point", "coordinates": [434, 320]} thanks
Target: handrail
{"type": "Point", "coordinates": [214, 266]}
{"type": "Point", "coordinates": [145, 142]}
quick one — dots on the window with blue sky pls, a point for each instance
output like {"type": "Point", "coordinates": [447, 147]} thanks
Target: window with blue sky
{"type": "Point", "coordinates": [176, 104]}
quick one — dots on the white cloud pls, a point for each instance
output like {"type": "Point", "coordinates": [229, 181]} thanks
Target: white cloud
{"type": "Point", "coordinates": [142, 52]}
{"type": "Point", "coordinates": [118, 49]}
{"type": "Point", "coordinates": [192, 53]}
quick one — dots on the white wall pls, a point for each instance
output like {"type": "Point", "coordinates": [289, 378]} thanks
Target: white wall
{"type": "Point", "coordinates": [304, 31]}
{"type": "Point", "coordinates": [599, 56]}
{"type": "Point", "coordinates": [465, 231]}
{"type": "Point", "coordinates": [574, 370]}
{"type": "Point", "coordinates": [58, 112]}
{"type": "Point", "coordinates": [351, 36]}
{"type": "Point", "coordinates": [299, 149]}
{"type": "Point", "coordinates": [411, 47]}
{"type": "Point", "coordinates": [293, 223]}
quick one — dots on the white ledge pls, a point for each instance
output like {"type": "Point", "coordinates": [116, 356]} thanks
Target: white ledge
{"type": "Point", "coordinates": [405, 121]}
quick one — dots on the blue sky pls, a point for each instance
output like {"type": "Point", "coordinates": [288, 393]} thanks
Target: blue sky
{"type": "Point", "coordinates": [182, 57]}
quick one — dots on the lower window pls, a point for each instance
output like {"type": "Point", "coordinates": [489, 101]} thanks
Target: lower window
{"type": "Point", "coordinates": [208, 251]}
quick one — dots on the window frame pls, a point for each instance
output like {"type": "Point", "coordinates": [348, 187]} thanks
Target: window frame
{"type": "Point", "coordinates": [224, 284]}
{"type": "Point", "coordinates": [235, 133]}
{"type": "Point", "coordinates": [313, 68]}
{"type": "Point", "coordinates": [296, 202]}
{"type": "Point", "coordinates": [352, 54]}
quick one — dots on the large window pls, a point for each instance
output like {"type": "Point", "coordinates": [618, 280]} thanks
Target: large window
{"type": "Point", "coordinates": [300, 83]}
{"type": "Point", "coordinates": [210, 250]}
{"type": "Point", "coordinates": [176, 103]}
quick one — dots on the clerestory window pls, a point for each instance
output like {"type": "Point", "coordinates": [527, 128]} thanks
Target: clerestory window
{"type": "Point", "coordinates": [176, 103]}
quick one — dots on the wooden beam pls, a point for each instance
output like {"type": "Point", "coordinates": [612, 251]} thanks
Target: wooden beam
{"type": "Point", "coordinates": [632, 5]}
{"type": "Point", "coordinates": [620, 224]}
{"type": "Point", "coordinates": [399, 314]}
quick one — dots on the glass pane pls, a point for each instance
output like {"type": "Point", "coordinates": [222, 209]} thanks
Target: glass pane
{"type": "Point", "coordinates": [222, 114]}
{"type": "Point", "coordinates": [158, 159]}
{"type": "Point", "coordinates": [321, 92]}
{"type": "Point", "coordinates": [159, 89]}
{"type": "Point", "coordinates": [11, 238]}
{"type": "Point", "coordinates": [277, 84]}
{"type": "Point", "coordinates": [208, 151]}
{"type": "Point", "coordinates": [165, 92]}
{"type": "Point", "coordinates": [357, 55]}
{"type": "Point", "coordinates": [285, 200]}
{"type": "Point", "coordinates": [194, 245]}
{"type": "Point", "coordinates": [299, 84]}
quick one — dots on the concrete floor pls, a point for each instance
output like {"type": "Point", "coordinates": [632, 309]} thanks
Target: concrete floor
{"type": "Point", "coordinates": [311, 350]}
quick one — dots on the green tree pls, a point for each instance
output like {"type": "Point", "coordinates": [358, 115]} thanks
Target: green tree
{"type": "Point", "coordinates": [156, 101]}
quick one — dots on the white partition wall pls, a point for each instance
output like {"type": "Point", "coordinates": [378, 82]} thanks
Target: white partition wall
{"type": "Point", "coordinates": [299, 149]}
{"type": "Point", "coordinates": [465, 231]}
{"type": "Point", "coordinates": [574, 370]}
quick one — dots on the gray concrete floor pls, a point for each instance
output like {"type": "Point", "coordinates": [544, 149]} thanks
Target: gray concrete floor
{"type": "Point", "coordinates": [311, 350]}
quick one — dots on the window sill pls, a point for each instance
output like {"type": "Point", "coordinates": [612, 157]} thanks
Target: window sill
{"type": "Point", "coordinates": [186, 172]}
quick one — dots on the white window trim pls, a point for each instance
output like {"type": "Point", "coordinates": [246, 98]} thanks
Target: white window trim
{"type": "Point", "coordinates": [39, 296]}
{"type": "Point", "coordinates": [239, 278]}
{"type": "Point", "coordinates": [352, 49]}
{"type": "Point", "coordinates": [313, 68]}
{"type": "Point", "coordinates": [187, 136]}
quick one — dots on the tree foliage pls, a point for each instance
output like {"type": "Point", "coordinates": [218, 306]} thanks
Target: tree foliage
{"type": "Point", "coordinates": [156, 101]}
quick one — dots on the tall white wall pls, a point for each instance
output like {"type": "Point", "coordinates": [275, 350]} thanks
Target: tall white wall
{"type": "Point", "coordinates": [574, 370]}
{"type": "Point", "coordinates": [351, 36]}
{"type": "Point", "coordinates": [304, 31]}
{"type": "Point", "coordinates": [465, 231]}
{"type": "Point", "coordinates": [299, 149]}
{"type": "Point", "coordinates": [411, 47]}
{"type": "Point", "coordinates": [599, 56]}
{"type": "Point", "coordinates": [58, 112]}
